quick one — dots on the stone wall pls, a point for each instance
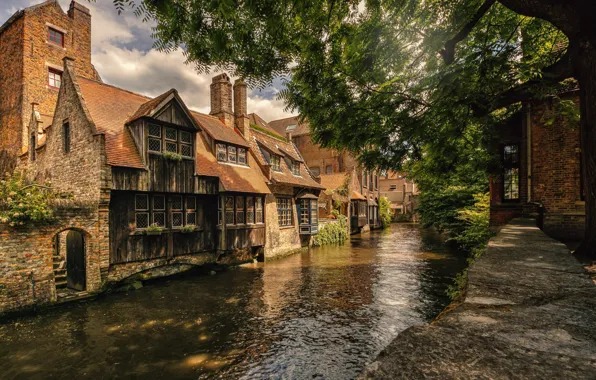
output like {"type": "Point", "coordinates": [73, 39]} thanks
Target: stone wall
{"type": "Point", "coordinates": [26, 267]}
{"type": "Point", "coordinates": [280, 241]}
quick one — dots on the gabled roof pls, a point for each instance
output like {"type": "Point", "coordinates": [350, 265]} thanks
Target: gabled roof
{"type": "Point", "coordinates": [232, 177]}
{"type": "Point", "coordinates": [110, 107]}
{"type": "Point", "coordinates": [147, 108]}
{"type": "Point", "coordinates": [218, 130]}
{"type": "Point", "coordinates": [357, 196]}
{"type": "Point", "coordinates": [155, 106]}
{"type": "Point", "coordinates": [281, 125]}
{"type": "Point", "coordinates": [274, 145]}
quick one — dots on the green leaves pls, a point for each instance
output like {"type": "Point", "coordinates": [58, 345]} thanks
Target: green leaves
{"type": "Point", "coordinates": [23, 201]}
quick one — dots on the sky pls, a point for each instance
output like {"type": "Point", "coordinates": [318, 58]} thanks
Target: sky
{"type": "Point", "coordinates": [123, 55]}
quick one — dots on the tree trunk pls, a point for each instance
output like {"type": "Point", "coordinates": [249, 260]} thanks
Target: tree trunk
{"type": "Point", "coordinates": [584, 65]}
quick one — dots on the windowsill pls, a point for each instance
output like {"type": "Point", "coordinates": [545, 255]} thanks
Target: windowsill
{"type": "Point", "coordinates": [161, 154]}
{"type": "Point", "coordinates": [56, 45]}
{"type": "Point", "coordinates": [242, 226]}
{"type": "Point", "coordinates": [286, 227]}
{"type": "Point", "coordinates": [52, 88]}
{"type": "Point", "coordinates": [231, 164]}
{"type": "Point", "coordinates": [143, 231]}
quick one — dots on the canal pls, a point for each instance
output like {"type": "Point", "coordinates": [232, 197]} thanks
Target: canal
{"type": "Point", "coordinates": [324, 314]}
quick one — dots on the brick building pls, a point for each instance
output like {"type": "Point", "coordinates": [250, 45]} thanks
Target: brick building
{"type": "Point", "coordinates": [400, 191]}
{"type": "Point", "coordinates": [340, 174]}
{"type": "Point", "coordinates": [154, 188]}
{"type": "Point", "coordinates": [541, 173]}
{"type": "Point", "coordinates": [37, 39]}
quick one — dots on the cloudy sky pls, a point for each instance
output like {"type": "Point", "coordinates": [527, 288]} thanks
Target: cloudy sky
{"type": "Point", "coordinates": [123, 55]}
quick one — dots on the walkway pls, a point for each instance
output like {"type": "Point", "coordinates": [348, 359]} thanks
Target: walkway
{"type": "Point", "coordinates": [530, 312]}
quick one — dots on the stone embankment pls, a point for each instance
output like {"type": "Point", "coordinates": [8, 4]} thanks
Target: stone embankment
{"type": "Point", "coordinates": [529, 312]}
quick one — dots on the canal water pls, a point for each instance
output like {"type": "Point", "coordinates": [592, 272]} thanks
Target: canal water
{"type": "Point", "coordinates": [324, 314]}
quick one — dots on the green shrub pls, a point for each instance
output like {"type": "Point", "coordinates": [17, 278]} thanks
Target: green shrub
{"type": "Point", "coordinates": [332, 233]}
{"type": "Point", "coordinates": [172, 156]}
{"type": "Point", "coordinates": [385, 212]}
{"type": "Point", "coordinates": [187, 229]}
{"type": "Point", "coordinates": [23, 201]}
{"type": "Point", "coordinates": [404, 217]}
{"type": "Point", "coordinates": [475, 232]}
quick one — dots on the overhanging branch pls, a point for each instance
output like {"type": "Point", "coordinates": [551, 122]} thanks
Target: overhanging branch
{"type": "Point", "coordinates": [448, 53]}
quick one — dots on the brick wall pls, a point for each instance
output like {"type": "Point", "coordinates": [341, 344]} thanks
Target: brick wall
{"type": "Point", "coordinates": [26, 267]}
{"type": "Point", "coordinates": [280, 241]}
{"type": "Point", "coordinates": [24, 44]}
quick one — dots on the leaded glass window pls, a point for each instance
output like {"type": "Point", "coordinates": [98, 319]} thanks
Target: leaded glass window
{"type": "Point", "coordinates": [511, 172]}
{"type": "Point", "coordinates": [275, 162]}
{"type": "Point", "coordinates": [242, 156]}
{"type": "Point", "coordinates": [240, 210]}
{"type": "Point", "coordinates": [229, 210]}
{"type": "Point", "coordinates": [142, 211]}
{"type": "Point", "coordinates": [176, 211]}
{"type": "Point", "coordinates": [250, 210]}
{"type": "Point", "coordinates": [222, 153]}
{"type": "Point", "coordinates": [296, 168]}
{"type": "Point", "coordinates": [232, 154]}
{"type": "Point", "coordinates": [259, 209]}
{"type": "Point", "coordinates": [284, 211]}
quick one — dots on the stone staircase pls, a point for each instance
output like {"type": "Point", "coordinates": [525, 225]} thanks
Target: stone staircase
{"type": "Point", "coordinates": [59, 271]}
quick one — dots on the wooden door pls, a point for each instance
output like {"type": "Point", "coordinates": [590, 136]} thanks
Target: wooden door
{"type": "Point", "coordinates": [75, 261]}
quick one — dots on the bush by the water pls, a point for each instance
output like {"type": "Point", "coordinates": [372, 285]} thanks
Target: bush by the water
{"type": "Point", "coordinates": [385, 212]}
{"type": "Point", "coordinates": [332, 233]}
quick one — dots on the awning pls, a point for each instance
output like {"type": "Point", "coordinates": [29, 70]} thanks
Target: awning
{"type": "Point", "coordinates": [357, 196]}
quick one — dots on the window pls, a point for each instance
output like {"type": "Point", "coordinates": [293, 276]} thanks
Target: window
{"type": "Point", "coordinates": [275, 162]}
{"type": "Point", "coordinates": [54, 78]}
{"type": "Point", "coordinates": [284, 211]}
{"type": "Point", "coordinates": [316, 171]}
{"type": "Point", "coordinates": [392, 187]}
{"type": "Point", "coordinates": [220, 211]}
{"type": "Point", "coordinates": [511, 172]}
{"type": "Point", "coordinates": [364, 179]}
{"type": "Point", "coordinates": [376, 181]}
{"type": "Point", "coordinates": [241, 209]}
{"type": "Point", "coordinates": [168, 139]}
{"type": "Point", "coordinates": [152, 209]}
{"type": "Point", "coordinates": [66, 137]}
{"type": "Point", "coordinates": [221, 152]}
{"type": "Point", "coordinates": [232, 154]}
{"type": "Point", "coordinates": [370, 180]}
{"type": "Point", "coordinates": [32, 146]}
{"type": "Point", "coordinates": [309, 218]}
{"type": "Point", "coordinates": [242, 156]}
{"type": "Point", "coordinates": [56, 37]}
{"type": "Point", "coordinates": [296, 168]}
{"type": "Point", "coordinates": [328, 169]}
{"type": "Point", "coordinates": [259, 210]}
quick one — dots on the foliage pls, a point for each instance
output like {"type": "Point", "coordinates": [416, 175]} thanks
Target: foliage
{"type": "Point", "coordinates": [332, 233]}
{"type": "Point", "coordinates": [385, 212]}
{"type": "Point", "coordinates": [154, 228]}
{"type": "Point", "coordinates": [268, 132]}
{"type": "Point", "coordinates": [187, 229]}
{"type": "Point", "coordinates": [475, 225]}
{"type": "Point", "coordinates": [404, 217]}
{"type": "Point", "coordinates": [172, 156]}
{"type": "Point", "coordinates": [23, 201]}
{"type": "Point", "coordinates": [337, 204]}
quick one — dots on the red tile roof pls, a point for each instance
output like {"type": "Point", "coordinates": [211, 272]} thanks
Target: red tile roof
{"type": "Point", "coordinates": [281, 125]}
{"type": "Point", "coordinates": [334, 181]}
{"type": "Point", "coordinates": [356, 195]}
{"type": "Point", "coordinates": [218, 130]}
{"type": "Point", "coordinates": [278, 146]}
{"type": "Point", "coordinates": [232, 177]}
{"type": "Point", "coordinates": [110, 107]}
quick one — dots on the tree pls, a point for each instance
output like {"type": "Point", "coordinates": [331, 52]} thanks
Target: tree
{"type": "Point", "coordinates": [417, 74]}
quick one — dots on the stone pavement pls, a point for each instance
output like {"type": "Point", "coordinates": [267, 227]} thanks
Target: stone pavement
{"type": "Point", "coordinates": [529, 312]}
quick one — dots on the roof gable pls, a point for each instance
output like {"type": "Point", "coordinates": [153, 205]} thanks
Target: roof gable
{"type": "Point", "coordinates": [218, 131]}
{"type": "Point", "coordinates": [167, 107]}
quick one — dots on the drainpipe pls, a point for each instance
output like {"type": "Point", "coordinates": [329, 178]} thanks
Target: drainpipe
{"type": "Point", "coordinates": [529, 150]}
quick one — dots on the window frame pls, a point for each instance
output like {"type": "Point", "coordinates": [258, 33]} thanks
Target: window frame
{"type": "Point", "coordinates": [164, 140]}
{"type": "Point", "coordinates": [240, 205]}
{"type": "Point", "coordinates": [55, 72]}
{"type": "Point", "coordinates": [510, 165]}
{"type": "Point", "coordinates": [56, 33]}
{"type": "Point", "coordinates": [230, 150]}
{"type": "Point", "coordinates": [285, 214]}
{"type": "Point", "coordinates": [168, 224]}
{"type": "Point", "coordinates": [275, 162]}
{"type": "Point", "coordinates": [296, 168]}
{"type": "Point", "coordinates": [329, 169]}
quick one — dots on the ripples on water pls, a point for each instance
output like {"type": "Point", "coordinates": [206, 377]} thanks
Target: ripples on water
{"type": "Point", "coordinates": [323, 314]}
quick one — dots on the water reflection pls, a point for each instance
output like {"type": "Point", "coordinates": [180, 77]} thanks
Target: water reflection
{"type": "Point", "coordinates": [322, 314]}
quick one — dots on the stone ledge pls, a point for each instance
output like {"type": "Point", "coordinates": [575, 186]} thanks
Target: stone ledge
{"type": "Point", "coordinates": [530, 312]}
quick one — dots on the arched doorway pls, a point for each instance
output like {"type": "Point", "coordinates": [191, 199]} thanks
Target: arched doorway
{"type": "Point", "coordinates": [75, 260]}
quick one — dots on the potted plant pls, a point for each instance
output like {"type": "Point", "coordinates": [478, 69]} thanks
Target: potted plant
{"type": "Point", "coordinates": [172, 156]}
{"type": "Point", "coordinates": [187, 229]}
{"type": "Point", "coordinates": [154, 229]}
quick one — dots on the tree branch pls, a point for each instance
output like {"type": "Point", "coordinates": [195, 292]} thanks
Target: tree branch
{"type": "Point", "coordinates": [555, 73]}
{"type": "Point", "coordinates": [448, 53]}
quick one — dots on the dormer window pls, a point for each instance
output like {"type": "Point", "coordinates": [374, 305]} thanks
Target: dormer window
{"type": "Point", "coordinates": [275, 162]}
{"type": "Point", "coordinates": [296, 168]}
{"type": "Point", "coordinates": [56, 37]}
{"type": "Point", "coordinates": [167, 139]}
{"type": "Point", "coordinates": [231, 154]}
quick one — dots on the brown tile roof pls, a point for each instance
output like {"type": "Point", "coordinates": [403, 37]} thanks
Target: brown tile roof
{"type": "Point", "coordinates": [233, 177]}
{"type": "Point", "coordinates": [110, 107]}
{"type": "Point", "coordinates": [278, 146]}
{"type": "Point", "coordinates": [218, 130]}
{"type": "Point", "coordinates": [280, 126]}
{"type": "Point", "coordinates": [334, 181]}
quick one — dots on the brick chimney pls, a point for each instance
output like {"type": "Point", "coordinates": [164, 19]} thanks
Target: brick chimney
{"type": "Point", "coordinates": [81, 36]}
{"type": "Point", "coordinates": [240, 108]}
{"type": "Point", "coordinates": [221, 99]}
